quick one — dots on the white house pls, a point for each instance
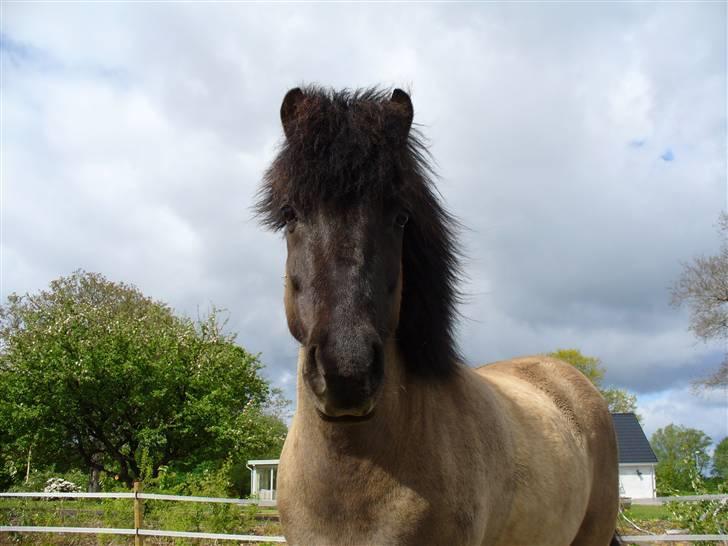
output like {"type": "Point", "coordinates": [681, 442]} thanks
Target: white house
{"type": "Point", "coordinates": [636, 464]}
{"type": "Point", "coordinates": [263, 476]}
{"type": "Point", "coordinates": [636, 459]}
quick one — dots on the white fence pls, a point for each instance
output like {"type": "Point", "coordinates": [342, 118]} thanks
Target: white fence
{"type": "Point", "coordinates": [138, 531]}
{"type": "Point", "coordinates": [674, 538]}
{"type": "Point", "coordinates": [684, 498]}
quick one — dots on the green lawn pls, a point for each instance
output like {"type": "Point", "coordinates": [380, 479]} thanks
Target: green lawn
{"type": "Point", "coordinates": [646, 513]}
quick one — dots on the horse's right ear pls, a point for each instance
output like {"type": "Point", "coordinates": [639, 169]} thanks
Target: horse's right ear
{"type": "Point", "coordinates": [289, 108]}
{"type": "Point", "coordinates": [404, 103]}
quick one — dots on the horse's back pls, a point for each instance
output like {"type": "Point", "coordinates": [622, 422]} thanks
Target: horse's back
{"type": "Point", "coordinates": [566, 452]}
{"type": "Point", "coordinates": [577, 401]}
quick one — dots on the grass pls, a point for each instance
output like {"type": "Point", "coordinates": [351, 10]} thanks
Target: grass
{"type": "Point", "coordinates": [653, 519]}
{"type": "Point", "coordinates": [647, 512]}
{"type": "Point", "coordinates": [166, 515]}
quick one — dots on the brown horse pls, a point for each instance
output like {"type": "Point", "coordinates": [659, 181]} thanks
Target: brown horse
{"type": "Point", "coordinates": [394, 441]}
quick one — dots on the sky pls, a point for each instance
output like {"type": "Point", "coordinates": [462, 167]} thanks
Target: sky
{"type": "Point", "coordinates": [581, 145]}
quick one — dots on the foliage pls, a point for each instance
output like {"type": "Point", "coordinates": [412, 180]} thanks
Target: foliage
{"type": "Point", "coordinates": [618, 400]}
{"type": "Point", "coordinates": [117, 513]}
{"type": "Point", "coordinates": [673, 445]}
{"type": "Point", "coordinates": [590, 366]}
{"type": "Point", "coordinates": [700, 517]}
{"type": "Point", "coordinates": [703, 286]}
{"type": "Point", "coordinates": [59, 485]}
{"type": "Point", "coordinates": [206, 480]}
{"type": "Point", "coordinates": [720, 459]}
{"type": "Point", "coordinates": [93, 374]}
{"type": "Point", "coordinates": [39, 478]}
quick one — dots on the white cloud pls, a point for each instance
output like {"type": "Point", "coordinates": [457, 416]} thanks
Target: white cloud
{"type": "Point", "coordinates": [706, 411]}
{"type": "Point", "coordinates": [135, 136]}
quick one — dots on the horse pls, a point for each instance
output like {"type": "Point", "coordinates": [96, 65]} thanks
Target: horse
{"type": "Point", "coordinates": [394, 440]}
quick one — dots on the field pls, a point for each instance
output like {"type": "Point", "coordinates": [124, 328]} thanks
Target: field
{"type": "Point", "coordinates": [655, 519]}
{"type": "Point", "coordinates": [201, 517]}
{"type": "Point", "coordinates": [117, 513]}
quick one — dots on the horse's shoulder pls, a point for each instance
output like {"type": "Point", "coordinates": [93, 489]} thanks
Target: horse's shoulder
{"type": "Point", "coordinates": [572, 394]}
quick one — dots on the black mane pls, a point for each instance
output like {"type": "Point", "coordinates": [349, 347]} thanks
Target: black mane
{"type": "Point", "coordinates": [349, 146]}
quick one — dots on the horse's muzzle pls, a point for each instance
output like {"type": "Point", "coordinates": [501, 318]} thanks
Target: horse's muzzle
{"type": "Point", "coordinates": [345, 383]}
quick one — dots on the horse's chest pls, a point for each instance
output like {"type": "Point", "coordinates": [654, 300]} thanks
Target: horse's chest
{"type": "Point", "coordinates": [361, 504]}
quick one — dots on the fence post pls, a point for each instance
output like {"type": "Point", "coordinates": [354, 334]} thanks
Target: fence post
{"type": "Point", "coordinates": [138, 509]}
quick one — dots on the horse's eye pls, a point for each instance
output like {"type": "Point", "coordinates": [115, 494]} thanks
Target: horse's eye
{"type": "Point", "coordinates": [400, 220]}
{"type": "Point", "coordinates": [289, 216]}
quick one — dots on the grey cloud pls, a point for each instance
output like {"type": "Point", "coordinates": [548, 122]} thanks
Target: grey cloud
{"type": "Point", "coordinates": [139, 156]}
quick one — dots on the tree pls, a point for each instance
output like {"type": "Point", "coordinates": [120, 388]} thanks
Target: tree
{"type": "Point", "coordinates": [94, 373]}
{"type": "Point", "coordinates": [678, 450]}
{"type": "Point", "coordinates": [720, 459]}
{"type": "Point", "coordinates": [590, 366]}
{"type": "Point", "coordinates": [618, 400]}
{"type": "Point", "coordinates": [703, 286]}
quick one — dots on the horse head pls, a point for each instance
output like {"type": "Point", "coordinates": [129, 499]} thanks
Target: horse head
{"type": "Point", "coordinates": [349, 193]}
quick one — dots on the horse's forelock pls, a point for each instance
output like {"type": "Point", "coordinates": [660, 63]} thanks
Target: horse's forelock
{"type": "Point", "coordinates": [346, 146]}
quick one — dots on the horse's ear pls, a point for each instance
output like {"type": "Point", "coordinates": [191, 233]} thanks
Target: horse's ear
{"type": "Point", "coordinates": [290, 105]}
{"type": "Point", "coordinates": [404, 103]}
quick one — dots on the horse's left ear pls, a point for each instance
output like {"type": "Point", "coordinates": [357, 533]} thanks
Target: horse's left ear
{"type": "Point", "coordinates": [404, 103]}
{"type": "Point", "coordinates": [288, 110]}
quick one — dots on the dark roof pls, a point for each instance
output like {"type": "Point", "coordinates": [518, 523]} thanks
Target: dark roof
{"type": "Point", "coordinates": [631, 439]}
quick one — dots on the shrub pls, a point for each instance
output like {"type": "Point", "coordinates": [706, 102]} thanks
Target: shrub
{"type": "Point", "coordinates": [59, 485]}
{"type": "Point", "coordinates": [701, 517]}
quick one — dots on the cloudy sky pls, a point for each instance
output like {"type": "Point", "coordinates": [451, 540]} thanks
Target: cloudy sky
{"type": "Point", "coordinates": [582, 145]}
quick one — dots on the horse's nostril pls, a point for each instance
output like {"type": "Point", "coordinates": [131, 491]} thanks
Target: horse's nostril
{"type": "Point", "coordinates": [314, 373]}
{"type": "Point", "coordinates": [312, 356]}
{"type": "Point", "coordinates": [345, 373]}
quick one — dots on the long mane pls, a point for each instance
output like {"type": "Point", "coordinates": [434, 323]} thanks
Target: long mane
{"type": "Point", "coordinates": [349, 146]}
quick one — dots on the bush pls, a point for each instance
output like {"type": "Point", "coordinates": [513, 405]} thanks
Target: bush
{"type": "Point", "coordinates": [59, 485]}
{"type": "Point", "coordinates": [38, 480]}
{"type": "Point", "coordinates": [701, 517]}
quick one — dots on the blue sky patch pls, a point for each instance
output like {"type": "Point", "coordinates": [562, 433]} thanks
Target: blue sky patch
{"type": "Point", "coordinates": [23, 54]}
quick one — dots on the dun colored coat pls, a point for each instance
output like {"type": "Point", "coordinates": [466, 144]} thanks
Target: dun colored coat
{"type": "Point", "coordinates": [394, 441]}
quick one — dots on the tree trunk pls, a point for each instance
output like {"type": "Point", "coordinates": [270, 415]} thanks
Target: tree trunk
{"type": "Point", "coordinates": [93, 480]}
{"type": "Point", "coordinates": [27, 468]}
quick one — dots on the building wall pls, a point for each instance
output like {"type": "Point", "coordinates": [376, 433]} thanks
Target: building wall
{"type": "Point", "coordinates": [637, 481]}
{"type": "Point", "coordinates": [263, 480]}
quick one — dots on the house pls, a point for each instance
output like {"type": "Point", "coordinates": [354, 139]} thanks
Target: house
{"type": "Point", "coordinates": [263, 477]}
{"type": "Point", "coordinates": [636, 464]}
{"type": "Point", "coordinates": [636, 459]}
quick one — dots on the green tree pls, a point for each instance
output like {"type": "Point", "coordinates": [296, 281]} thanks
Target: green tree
{"type": "Point", "coordinates": [678, 449]}
{"type": "Point", "coordinates": [618, 400]}
{"type": "Point", "coordinates": [720, 459]}
{"type": "Point", "coordinates": [590, 366]}
{"type": "Point", "coordinates": [95, 374]}
{"type": "Point", "coordinates": [702, 517]}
